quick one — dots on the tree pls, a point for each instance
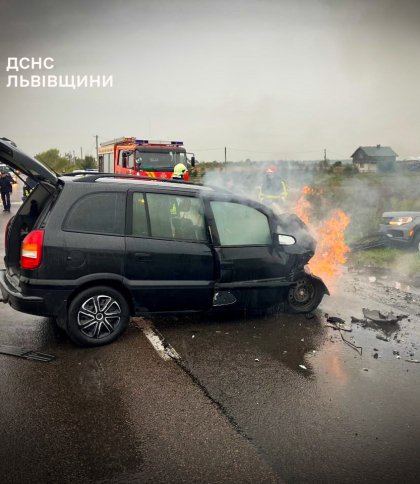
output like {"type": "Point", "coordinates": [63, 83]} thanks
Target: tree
{"type": "Point", "coordinates": [87, 162]}
{"type": "Point", "coordinates": [53, 160]}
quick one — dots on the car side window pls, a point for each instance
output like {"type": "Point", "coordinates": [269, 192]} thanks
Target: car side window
{"type": "Point", "coordinates": [239, 224]}
{"type": "Point", "coordinates": [97, 213]}
{"type": "Point", "coordinates": [139, 224]}
{"type": "Point", "coordinates": [171, 217]}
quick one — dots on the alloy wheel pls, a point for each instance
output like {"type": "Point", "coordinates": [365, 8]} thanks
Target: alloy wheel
{"type": "Point", "coordinates": [99, 316]}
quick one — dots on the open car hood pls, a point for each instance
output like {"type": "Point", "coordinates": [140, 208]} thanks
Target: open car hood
{"type": "Point", "coordinates": [11, 155]}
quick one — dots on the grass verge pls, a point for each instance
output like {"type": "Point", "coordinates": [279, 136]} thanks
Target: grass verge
{"type": "Point", "coordinates": [390, 258]}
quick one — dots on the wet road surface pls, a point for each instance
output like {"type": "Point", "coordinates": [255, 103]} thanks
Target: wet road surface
{"type": "Point", "coordinates": [114, 414]}
{"type": "Point", "coordinates": [237, 407]}
{"type": "Point", "coordinates": [331, 422]}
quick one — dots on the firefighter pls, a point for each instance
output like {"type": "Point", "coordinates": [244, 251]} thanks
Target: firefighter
{"type": "Point", "coordinates": [179, 171]}
{"type": "Point", "coordinates": [29, 185]}
{"type": "Point", "coordinates": [273, 190]}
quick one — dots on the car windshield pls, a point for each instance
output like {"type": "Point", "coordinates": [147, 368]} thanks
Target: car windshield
{"type": "Point", "coordinates": [159, 160]}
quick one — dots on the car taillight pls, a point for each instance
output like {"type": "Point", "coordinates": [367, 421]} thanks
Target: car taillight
{"type": "Point", "coordinates": [31, 251]}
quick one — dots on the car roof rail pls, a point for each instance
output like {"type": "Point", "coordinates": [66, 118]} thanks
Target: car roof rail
{"type": "Point", "coordinates": [79, 172]}
{"type": "Point", "coordinates": [92, 177]}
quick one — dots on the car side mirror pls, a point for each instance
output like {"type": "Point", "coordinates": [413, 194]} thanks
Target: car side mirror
{"type": "Point", "coordinates": [283, 239]}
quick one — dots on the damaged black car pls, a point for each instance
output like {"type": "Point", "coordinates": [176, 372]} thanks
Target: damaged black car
{"type": "Point", "coordinates": [91, 251]}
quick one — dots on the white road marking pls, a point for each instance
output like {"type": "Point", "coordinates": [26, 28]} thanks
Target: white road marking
{"type": "Point", "coordinates": [163, 349]}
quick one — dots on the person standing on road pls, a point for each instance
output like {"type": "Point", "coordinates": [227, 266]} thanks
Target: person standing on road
{"type": "Point", "coordinates": [5, 189]}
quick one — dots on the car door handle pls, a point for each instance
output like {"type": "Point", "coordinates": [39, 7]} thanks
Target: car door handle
{"type": "Point", "coordinates": [142, 255]}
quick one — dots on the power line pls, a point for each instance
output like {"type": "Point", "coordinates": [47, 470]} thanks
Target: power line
{"type": "Point", "coordinates": [207, 149]}
{"type": "Point", "coordinates": [276, 151]}
{"type": "Point", "coordinates": [319, 150]}
{"type": "Point", "coordinates": [340, 156]}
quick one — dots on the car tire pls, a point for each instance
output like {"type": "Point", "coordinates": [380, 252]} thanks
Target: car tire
{"type": "Point", "coordinates": [97, 316]}
{"type": "Point", "coordinates": [304, 296]}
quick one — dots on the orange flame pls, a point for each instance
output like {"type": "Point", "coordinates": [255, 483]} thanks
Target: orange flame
{"type": "Point", "coordinates": [303, 206]}
{"type": "Point", "coordinates": [331, 251]}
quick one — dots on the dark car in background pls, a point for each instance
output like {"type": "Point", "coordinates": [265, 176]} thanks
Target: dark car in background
{"type": "Point", "coordinates": [93, 250]}
{"type": "Point", "coordinates": [401, 229]}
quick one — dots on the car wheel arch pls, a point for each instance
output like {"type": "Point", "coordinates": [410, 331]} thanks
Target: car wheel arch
{"type": "Point", "coordinates": [118, 286]}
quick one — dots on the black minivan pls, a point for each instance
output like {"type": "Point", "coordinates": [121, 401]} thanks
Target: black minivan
{"type": "Point", "coordinates": [92, 250]}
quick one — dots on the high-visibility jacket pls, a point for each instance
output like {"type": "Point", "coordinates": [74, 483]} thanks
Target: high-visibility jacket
{"type": "Point", "coordinates": [273, 189]}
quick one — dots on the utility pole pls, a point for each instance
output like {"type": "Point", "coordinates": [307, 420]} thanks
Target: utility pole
{"type": "Point", "coordinates": [81, 153]}
{"type": "Point", "coordinates": [97, 150]}
{"type": "Point", "coordinates": [325, 156]}
{"type": "Point", "coordinates": [225, 154]}
{"type": "Point", "coordinates": [97, 157]}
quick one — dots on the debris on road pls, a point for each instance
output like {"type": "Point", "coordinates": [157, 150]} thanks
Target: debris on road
{"type": "Point", "coordinates": [412, 361]}
{"type": "Point", "coordinates": [371, 241]}
{"type": "Point", "coordinates": [359, 349]}
{"type": "Point", "coordinates": [338, 323]}
{"type": "Point", "coordinates": [377, 317]}
{"type": "Point", "coordinates": [303, 367]}
{"type": "Point", "coordinates": [341, 326]}
{"type": "Point", "coordinates": [382, 337]}
{"type": "Point", "coordinates": [335, 319]}
{"type": "Point", "coordinates": [25, 353]}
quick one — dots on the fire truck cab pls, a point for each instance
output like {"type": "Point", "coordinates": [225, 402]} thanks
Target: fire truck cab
{"type": "Point", "coordinates": [131, 156]}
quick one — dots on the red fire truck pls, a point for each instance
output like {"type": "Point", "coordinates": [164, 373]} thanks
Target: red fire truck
{"type": "Point", "coordinates": [131, 156]}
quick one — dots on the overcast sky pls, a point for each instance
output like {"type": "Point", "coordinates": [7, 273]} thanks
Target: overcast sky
{"type": "Point", "coordinates": [268, 79]}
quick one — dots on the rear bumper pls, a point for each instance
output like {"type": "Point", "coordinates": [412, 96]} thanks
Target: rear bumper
{"type": "Point", "coordinates": [43, 303]}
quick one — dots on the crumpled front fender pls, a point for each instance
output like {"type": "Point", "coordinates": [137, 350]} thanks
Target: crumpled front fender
{"type": "Point", "coordinates": [320, 282]}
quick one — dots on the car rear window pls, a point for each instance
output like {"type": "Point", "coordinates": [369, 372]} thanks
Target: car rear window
{"type": "Point", "coordinates": [98, 213]}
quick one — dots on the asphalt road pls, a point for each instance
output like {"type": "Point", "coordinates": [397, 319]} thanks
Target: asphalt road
{"type": "Point", "coordinates": [236, 407]}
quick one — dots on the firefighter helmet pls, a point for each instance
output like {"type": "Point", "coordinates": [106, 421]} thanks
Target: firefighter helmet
{"type": "Point", "coordinates": [179, 170]}
{"type": "Point", "coordinates": [271, 169]}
